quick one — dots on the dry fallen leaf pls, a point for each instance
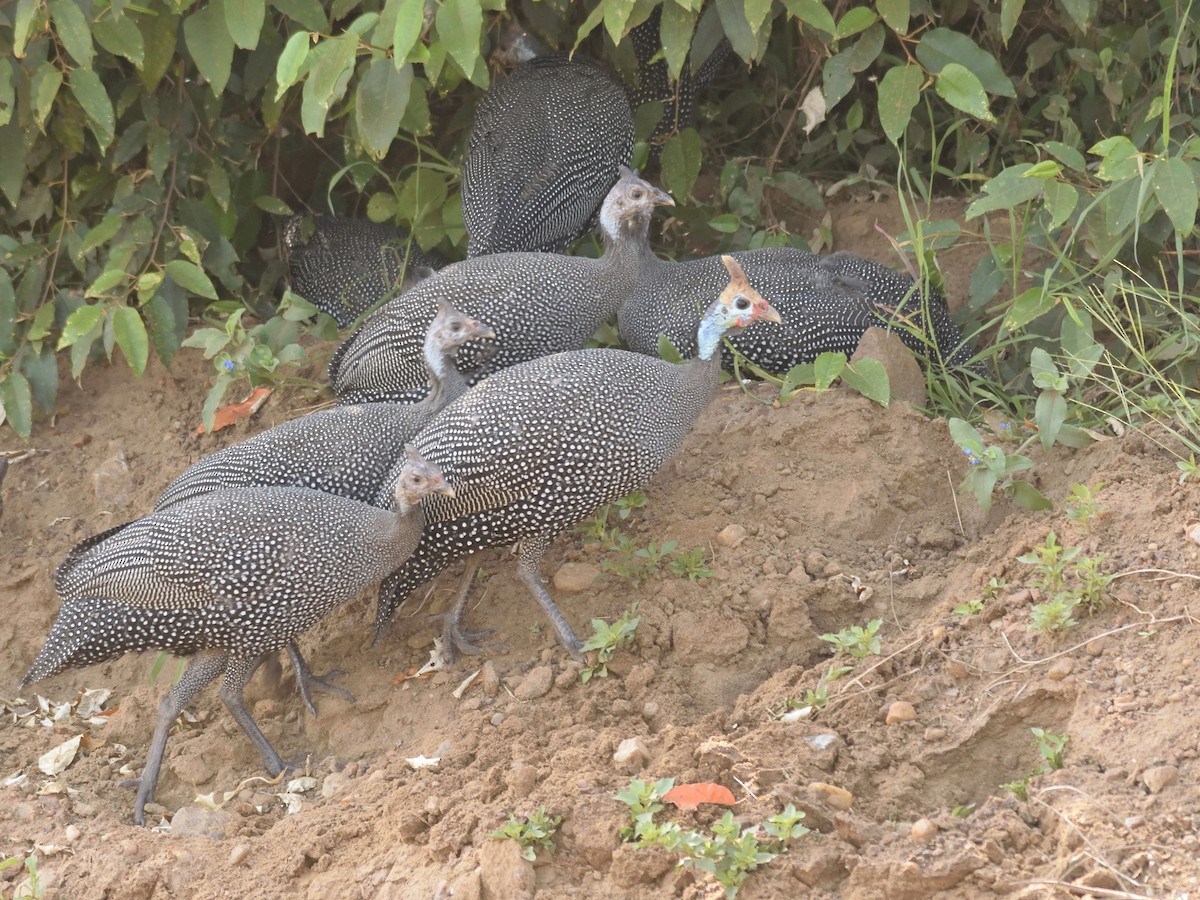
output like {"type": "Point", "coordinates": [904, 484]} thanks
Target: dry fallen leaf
{"type": "Point", "coordinates": [689, 796]}
{"type": "Point", "coordinates": [423, 762]}
{"type": "Point", "coordinates": [227, 415]}
{"type": "Point", "coordinates": [56, 760]}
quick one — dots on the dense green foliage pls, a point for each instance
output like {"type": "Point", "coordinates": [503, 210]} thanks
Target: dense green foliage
{"type": "Point", "coordinates": [145, 147]}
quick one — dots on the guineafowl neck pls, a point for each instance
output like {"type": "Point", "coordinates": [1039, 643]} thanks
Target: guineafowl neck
{"type": "Point", "coordinates": [629, 249]}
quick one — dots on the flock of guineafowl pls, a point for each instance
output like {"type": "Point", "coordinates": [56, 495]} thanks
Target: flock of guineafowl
{"type": "Point", "coordinates": [470, 414]}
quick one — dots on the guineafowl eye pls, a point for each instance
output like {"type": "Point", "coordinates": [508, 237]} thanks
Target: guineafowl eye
{"type": "Point", "coordinates": [636, 195]}
{"type": "Point", "coordinates": [742, 303]}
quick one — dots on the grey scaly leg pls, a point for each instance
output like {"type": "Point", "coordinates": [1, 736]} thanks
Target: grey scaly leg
{"type": "Point", "coordinates": [200, 672]}
{"type": "Point", "coordinates": [529, 567]}
{"type": "Point", "coordinates": [306, 681]}
{"type": "Point", "coordinates": [455, 638]}
{"type": "Point", "coordinates": [237, 673]}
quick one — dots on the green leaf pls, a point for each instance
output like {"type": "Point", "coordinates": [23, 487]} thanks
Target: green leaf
{"type": "Point", "coordinates": [1060, 200]}
{"type": "Point", "coordinates": [826, 368]}
{"type": "Point", "coordinates": [80, 323]}
{"type": "Point", "coordinates": [1026, 496]}
{"type": "Point", "coordinates": [1175, 187]}
{"type": "Point", "coordinates": [812, 13]}
{"type": "Point", "coordinates": [272, 205]}
{"type": "Point", "coordinates": [71, 25]}
{"type": "Point", "coordinates": [210, 45]}
{"type": "Point", "coordinates": [8, 316]}
{"type": "Point", "coordinates": [13, 152]}
{"type": "Point", "coordinates": [8, 97]}
{"type": "Point", "coordinates": [121, 37]}
{"type": "Point", "coordinates": [291, 62]}
{"type": "Point", "coordinates": [105, 282]}
{"type": "Point", "coordinates": [101, 234]}
{"type": "Point", "coordinates": [1080, 12]}
{"type": "Point", "coordinates": [380, 99]}
{"type": "Point", "coordinates": [869, 378]}
{"type": "Point", "coordinates": [44, 86]}
{"type": "Point", "coordinates": [17, 403]}
{"type": "Point", "coordinates": [329, 74]}
{"type": "Point", "coordinates": [966, 436]}
{"type": "Point", "coordinates": [409, 21]}
{"type": "Point", "coordinates": [165, 321]}
{"type": "Point", "coordinates": [959, 87]}
{"type": "Point", "coordinates": [668, 351]}
{"type": "Point", "coordinates": [43, 321]}
{"type": "Point", "coordinates": [191, 278]}
{"type": "Point", "coordinates": [1027, 306]}
{"type": "Point", "coordinates": [741, 36]}
{"type": "Point", "coordinates": [1010, 12]}
{"type": "Point", "coordinates": [459, 25]}
{"type": "Point", "coordinates": [1067, 155]}
{"type": "Point", "coordinates": [855, 21]}
{"type": "Point", "coordinates": [595, 17]}
{"type": "Point", "coordinates": [899, 93]}
{"type": "Point", "coordinates": [244, 21]}
{"type": "Point", "coordinates": [726, 223]}
{"type": "Point", "coordinates": [23, 22]}
{"type": "Point", "coordinates": [942, 46]}
{"type": "Point", "coordinates": [41, 369]}
{"type": "Point", "coordinates": [1006, 191]}
{"type": "Point", "coordinates": [130, 332]}
{"type": "Point", "coordinates": [675, 30]}
{"type": "Point", "coordinates": [310, 13]}
{"type": "Point", "coordinates": [1049, 413]}
{"type": "Point", "coordinates": [895, 14]}
{"type": "Point", "coordinates": [158, 38]}
{"type": "Point", "coordinates": [1121, 159]}
{"type": "Point", "coordinates": [757, 12]}
{"type": "Point", "coordinates": [1047, 168]}
{"type": "Point", "coordinates": [681, 158]}
{"type": "Point", "coordinates": [1122, 204]}
{"type": "Point", "coordinates": [85, 85]}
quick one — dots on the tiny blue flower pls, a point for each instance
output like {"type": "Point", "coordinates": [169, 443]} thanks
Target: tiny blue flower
{"type": "Point", "coordinates": [228, 365]}
{"type": "Point", "coordinates": [967, 451]}
{"type": "Point", "coordinates": [1006, 424]}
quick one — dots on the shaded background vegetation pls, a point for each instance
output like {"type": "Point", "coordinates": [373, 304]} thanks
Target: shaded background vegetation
{"type": "Point", "coordinates": [146, 149]}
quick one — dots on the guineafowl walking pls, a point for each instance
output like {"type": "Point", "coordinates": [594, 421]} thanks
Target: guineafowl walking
{"type": "Point", "coordinates": [345, 266]}
{"type": "Point", "coordinates": [537, 303]}
{"type": "Point", "coordinates": [826, 303]}
{"type": "Point", "coordinates": [543, 153]}
{"type": "Point", "coordinates": [539, 447]}
{"type": "Point", "coordinates": [346, 450]}
{"type": "Point", "coordinates": [227, 577]}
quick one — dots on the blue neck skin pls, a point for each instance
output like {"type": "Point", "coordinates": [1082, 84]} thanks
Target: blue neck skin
{"type": "Point", "coordinates": [709, 337]}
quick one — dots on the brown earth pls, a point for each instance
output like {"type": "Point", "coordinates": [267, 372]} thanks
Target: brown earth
{"type": "Point", "coordinates": [796, 507]}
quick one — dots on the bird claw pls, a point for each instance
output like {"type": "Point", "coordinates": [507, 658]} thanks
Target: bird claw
{"type": "Point", "coordinates": [307, 682]}
{"type": "Point", "coordinates": [456, 640]}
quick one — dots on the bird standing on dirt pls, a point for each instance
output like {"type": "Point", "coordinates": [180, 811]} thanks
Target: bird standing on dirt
{"type": "Point", "coordinates": [226, 577]}
{"type": "Point", "coordinates": [826, 303]}
{"type": "Point", "coordinates": [537, 303]}
{"type": "Point", "coordinates": [544, 151]}
{"type": "Point", "coordinates": [539, 447]}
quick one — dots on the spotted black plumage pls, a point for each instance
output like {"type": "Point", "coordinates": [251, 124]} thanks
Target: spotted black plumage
{"type": "Point", "coordinates": [826, 302]}
{"type": "Point", "coordinates": [537, 303]}
{"type": "Point", "coordinates": [544, 151]}
{"type": "Point", "coordinates": [228, 576]}
{"type": "Point", "coordinates": [539, 447]}
{"type": "Point", "coordinates": [346, 450]}
{"type": "Point", "coordinates": [344, 266]}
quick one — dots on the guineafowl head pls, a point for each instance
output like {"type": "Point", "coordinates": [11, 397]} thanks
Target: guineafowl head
{"type": "Point", "coordinates": [418, 479]}
{"type": "Point", "coordinates": [629, 204]}
{"type": "Point", "coordinates": [738, 306]}
{"type": "Point", "coordinates": [451, 329]}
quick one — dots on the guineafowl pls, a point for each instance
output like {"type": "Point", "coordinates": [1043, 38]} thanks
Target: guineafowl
{"type": "Point", "coordinates": [345, 266]}
{"type": "Point", "coordinates": [346, 450]}
{"type": "Point", "coordinates": [543, 153]}
{"type": "Point", "coordinates": [539, 447]}
{"type": "Point", "coordinates": [227, 577]}
{"type": "Point", "coordinates": [826, 303]}
{"type": "Point", "coordinates": [537, 303]}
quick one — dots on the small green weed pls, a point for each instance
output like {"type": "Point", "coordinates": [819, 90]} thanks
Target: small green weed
{"type": "Point", "coordinates": [994, 468]}
{"type": "Point", "coordinates": [691, 564]}
{"type": "Point", "coordinates": [816, 698]}
{"type": "Point", "coordinates": [1056, 614]}
{"type": "Point", "coordinates": [1188, 468]}
{"type": "Point", "coordinates": [533, 832]}
{"type": "Point", "coordinates": [1018, 788]}
{"type": "Point", "coordinates": [1050, 561]}
{"type": "Point", "coordinates": [963, 811]}
{"type": "Point", "coordinates": [33, 888]}
{"type": "Point", "coordinates": [1082, 506]}
{"type": "Point", "coordinates": [606, 639]}
{"type": "Point", "coordinates": [729, 855]}
{"type": "Point", "coordinates": [970, 608]}
{"type": "Point", "coordinates": [1069, 579]}
{"type": "Point", "coordinates": [1051, 748]}
{"type": "Point", "coordinates": [857, 640]}
{"type": "Point", "coordinates": [629, 561]}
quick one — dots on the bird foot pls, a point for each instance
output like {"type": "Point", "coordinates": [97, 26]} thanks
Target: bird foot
{"type": "Point", "coordinates": [456, 639]}
{"type": "Point", "coordinates": [309, 682]}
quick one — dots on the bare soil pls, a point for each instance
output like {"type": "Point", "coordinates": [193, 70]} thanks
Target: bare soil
{"type": "Point", "coordinates": [799, 507]}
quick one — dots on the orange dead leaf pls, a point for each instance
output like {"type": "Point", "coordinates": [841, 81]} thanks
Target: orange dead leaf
{"type": "Point", "coordinates": [689, 796]}
{"type": "Point", "coordinates": [414, 673]}
{"type": "Point", "coordinates": [227, 415]}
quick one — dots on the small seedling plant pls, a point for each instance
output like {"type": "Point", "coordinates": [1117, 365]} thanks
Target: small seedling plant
{"type": "Point", "coordinates": [533, 832]}
{"type": "Point", "coordinates": [1082, 507]}
{"type": "Point", "coordinates": [1051, 748]}
{"type": "Point", "coordinates": [858, 641]}
{"type": "Point", "coordinates": [32, 888]}
{"type": "Point", "coordinates": [1069, 579]}
{"type": "Point", "coordinates": [629, 561]}
{"type": "Point", "coordinates": [605, 641]}
{"type": "Point", "coordinates": [728, 854]}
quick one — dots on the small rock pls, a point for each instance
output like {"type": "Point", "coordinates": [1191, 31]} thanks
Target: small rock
{"type": "Point", "coordinates": [923, 830]}
{"type": "Point", "coordinates": [129, 847]}
{"type": "Point", "coordinates": [731, 535]}
{"type": "Point", "coordinates": [196, 820]}
{"type": "Point", "coordinates": [238, 854]}
{"type": "Point", "coordinates": [632, 754]}
{"type": "Point", "coordinates": [332, 784]}
{"type": "Point", "coordinates": [1159, 778]}
{"type": "Point", "coordinates": [900, 711]}
{"type": "Point", "coordinates": [566, 679]}
{"type": "Point", "coordinates": [72, 833]}
{"type": "Point", "coordinates": [536, 684]}
{"type": "Point", "coordinates": [938, 537]}
{"type": "Point", "coordinates": [496, 719]}
{"type": "Point", "coordinates": [650, 710]}
{"type": "Point", "coordinates": [1062, 667]}
{"type": "Point", "coordinates": [798, 575]}
{"type": "Point", "coordinates": [576, 576]}
{"type": "Point", "coordinates": [639, 679]}
{"type": "Point", "coordinates": [934, 733]}
{"type": "Point", "coordinates": [1095, 647]}
{"type": "Point", "coordinates": [838, 798]}
{"type": "Point", "coordinates": [155, 811]}
{"type": "Point", "coordinates": [489, 679]}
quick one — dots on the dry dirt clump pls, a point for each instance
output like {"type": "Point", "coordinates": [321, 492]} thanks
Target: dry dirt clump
{"type": "Point", "coordinates": [821, 514]}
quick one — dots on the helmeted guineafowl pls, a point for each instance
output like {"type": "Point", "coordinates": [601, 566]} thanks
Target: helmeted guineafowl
{"type": "Point", "coordinates": [345, 266]}
{"type": "Point", "coordinates": [826, 303]}
{"type": "Point", "coordinates": [227, 577]}
{"type": "Point", "coordinates": [539, 447]}
{"type": "Point", "coordinates": [544, 150]}
{"type": "Point", "coordinates": [537, 303]}
{"type": "Point", "coordinates": [346, 450]}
